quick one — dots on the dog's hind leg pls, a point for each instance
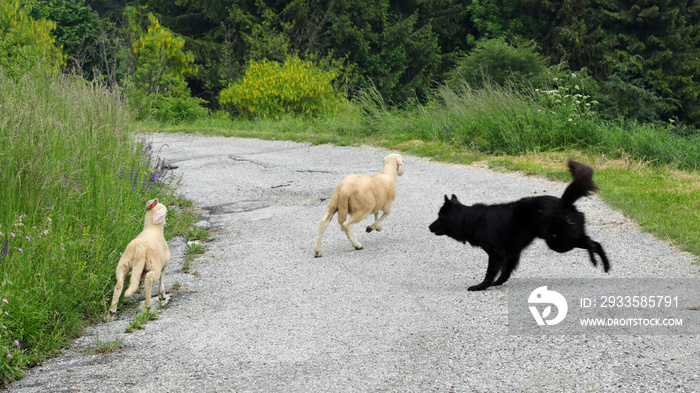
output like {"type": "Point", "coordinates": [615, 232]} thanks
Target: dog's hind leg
{"type": "Point", "coordinates": [595, 247]}
{"type": "Point", "coordinates": [496, 262]}
{"type": "Point", "coordinates": [508, 267]}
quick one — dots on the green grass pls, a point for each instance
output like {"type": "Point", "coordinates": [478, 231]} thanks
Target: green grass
{"type": "Point", "coordinates": [104, 347]}
{"type": "Point", "coordinates": [74, 185]}
{"type": "Point", "coordinates": [140, 320]}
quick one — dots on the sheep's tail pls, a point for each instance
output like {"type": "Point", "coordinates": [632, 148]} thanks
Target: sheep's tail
{"type": "Point", "coordinates": [338, 203]}
{"type": "Point", "coordinates": [581, 186]}
{"type": "Point", "coordinates": [138, 262]}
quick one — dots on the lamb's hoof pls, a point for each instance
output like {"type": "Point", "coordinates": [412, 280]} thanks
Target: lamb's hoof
{"type": "Point", "coordinates": [317, 254]}
{"type": "Point", "coordinates": [110, 316]}
{"type": "Point", "coordinates": [369, 229]}
{"type": "Point", "coordinates": [359, 247]}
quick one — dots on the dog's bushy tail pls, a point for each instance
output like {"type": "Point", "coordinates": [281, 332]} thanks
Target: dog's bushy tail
{"type": "Point", "coordinates": [581, 186]}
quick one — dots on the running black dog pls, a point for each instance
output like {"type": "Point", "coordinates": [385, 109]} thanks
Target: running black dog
{"type": "Point", "coordinates": [504, 230]}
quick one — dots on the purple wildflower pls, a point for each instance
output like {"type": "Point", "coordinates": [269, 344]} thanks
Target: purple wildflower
{"type": "Point", "coordinates": [5, 301]}
{"type": "Point", "coordinates": [16, 343]}
{"type": "Point", "coordinates": [20, 250]}
{"type": "Point", "coordinates": [12, 234]}
{"type": "Point", "coordinates": [9, 356]}
{"type": "Point", "coordinates": [28, 239]}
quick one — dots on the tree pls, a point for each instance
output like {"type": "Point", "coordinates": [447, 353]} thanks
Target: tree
{"type": "Point", "coordinates": [161, 64]}
{"type": "Point", "coordinates": [77, 31]}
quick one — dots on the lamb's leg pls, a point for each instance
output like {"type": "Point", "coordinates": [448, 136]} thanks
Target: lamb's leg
{"type": "Point", "coordinates": [322, 228]}
{"type": "Point", "coordinates": [161, 285]}
{"type": "Point", "coordinates": [347, 228]}
{"type": "Point", "coordinates": [121, 274]}
{"type": "Point", "coordinates": [148, 281]}
{"type": "Point", "coordinates": [136, 272]}
{"type": "Point", "coordinates": [377, 225]}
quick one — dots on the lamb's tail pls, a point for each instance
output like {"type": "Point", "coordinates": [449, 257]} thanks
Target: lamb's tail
{"type": "Point", "coordinates": [341, 205]}
{"type": "Point", "coordinates": [138, 263]}
{"type": "Point", "coordinates": [581, 186]}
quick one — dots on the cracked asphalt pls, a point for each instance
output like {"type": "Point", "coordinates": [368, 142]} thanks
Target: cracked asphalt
{"type": "Point", "coordinates": [263, 315]}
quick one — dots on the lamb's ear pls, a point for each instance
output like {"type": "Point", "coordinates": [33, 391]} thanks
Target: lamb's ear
{"type": "Point", "coordinates": [151, 204]}
{"type": "Point", "coordinates": [159, 216]}
{"type": "Point", "coordinates": [399, 169]}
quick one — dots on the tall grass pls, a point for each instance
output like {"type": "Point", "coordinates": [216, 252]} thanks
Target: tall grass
{"type": "Point", "coordinates": [74, 186]}
{"type": "Point", "coordinates": [498, 119]}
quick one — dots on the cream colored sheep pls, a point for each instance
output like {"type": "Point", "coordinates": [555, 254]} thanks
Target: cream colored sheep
{"type": "Point", "coordinates": [148, 252]}
{"type": "Point", "coordinates": [359, 196]}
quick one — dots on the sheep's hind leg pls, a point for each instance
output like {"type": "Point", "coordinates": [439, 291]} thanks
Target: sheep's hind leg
{"type": "Point", "coordinates": [377, 225]}
{"type": "Point", "coordinates": [347, 228]}
{"type": "Point", "coordinates": [121, 274]}
{"type": "Point", "coordinates": [148, 281]}
{"type": "Point", "coordinates": [322, 228]}
{"type": "Point", "coordinates": [161, 285]}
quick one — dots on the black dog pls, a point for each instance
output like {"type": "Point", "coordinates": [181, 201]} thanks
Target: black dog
{"type": "Point", "coordinates": [504, 230]}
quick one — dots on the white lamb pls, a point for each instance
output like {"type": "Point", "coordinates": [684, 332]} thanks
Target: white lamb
{"type": "Point", "coordinates": [359, 196]}
{"type": "Point", "coordinates": [148, 251]}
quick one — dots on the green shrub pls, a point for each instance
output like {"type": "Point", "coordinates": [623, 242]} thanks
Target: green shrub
{"type": "Point", "coordinates": [271, 89]}
{"type": "Point", "coordinates": [496, 61]}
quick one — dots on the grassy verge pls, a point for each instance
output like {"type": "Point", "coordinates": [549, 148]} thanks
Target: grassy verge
{"type": "Point", "coordinates": [74, 186]}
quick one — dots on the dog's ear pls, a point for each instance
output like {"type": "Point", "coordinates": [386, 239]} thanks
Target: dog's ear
{"type": "Point", "coordinates": [446, 198]}
{"type": "Point", "coordinates": [454, 199]}
{"type": "Point", "coordinates": [159, 216]}
{"type": "Point", "coordinates": [151, 204]}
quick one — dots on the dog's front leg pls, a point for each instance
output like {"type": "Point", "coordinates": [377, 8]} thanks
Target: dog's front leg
{"type": "Point", "coordinates": [496, 260]}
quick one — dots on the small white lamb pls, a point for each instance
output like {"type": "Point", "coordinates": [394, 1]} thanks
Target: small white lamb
{"type": "Point", "coordinates": [148, 251]}
{"type": "Point", "coordinates": [362, 195]}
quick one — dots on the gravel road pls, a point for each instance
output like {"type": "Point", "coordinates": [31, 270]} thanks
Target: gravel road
{"type": "Point", "coordinates": [261, 314]}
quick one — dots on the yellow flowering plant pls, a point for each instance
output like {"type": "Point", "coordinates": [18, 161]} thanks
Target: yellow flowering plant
{"type": "Point", "coordinates": [26, 44]}
{"type": "Point", "coordinates": [158, 86]}
{"type": "Point", "coordinates": [271, 89]}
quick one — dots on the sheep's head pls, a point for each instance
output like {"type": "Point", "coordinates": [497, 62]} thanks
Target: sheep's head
{"type": "Point", "coordinates": [156, 210]}
{"type": "Point", "coordinates": [398, 160]}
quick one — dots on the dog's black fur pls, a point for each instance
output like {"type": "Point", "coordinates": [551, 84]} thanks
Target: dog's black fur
{"type": "Point", "coordinates": [504, 230]}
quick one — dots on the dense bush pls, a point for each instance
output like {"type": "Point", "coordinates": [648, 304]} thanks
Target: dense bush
{"type": "Point", "coordinates": [271, 89]}
{"type": "Point", "coordinates": [494, 60]}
